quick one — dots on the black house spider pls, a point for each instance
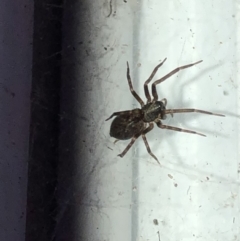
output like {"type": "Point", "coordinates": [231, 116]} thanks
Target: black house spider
{"type": "Point", "coordinates": [133, 123]}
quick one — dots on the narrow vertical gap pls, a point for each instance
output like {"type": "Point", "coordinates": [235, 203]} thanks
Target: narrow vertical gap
{"type": "Point", "coordinates": [135, 163]}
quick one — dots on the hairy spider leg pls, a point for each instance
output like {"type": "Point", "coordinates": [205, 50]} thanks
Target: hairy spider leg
{"type": "Point", "coordinates": [154, 91]}
{"type": "Point", "coordinates": [146, 91]}
{"type": "Point", "coordinates": [120, 113]}
{"type": "Point", "coordinates": [171, 111]}
{"type": "Point", "coordinates": [134, 138]}
{"type": "Point", "coordinates": [151, 126]}
{"type": "Point", "coordinates": [136, 96]}
{"type": "Point", "coordinates": [173, 128]}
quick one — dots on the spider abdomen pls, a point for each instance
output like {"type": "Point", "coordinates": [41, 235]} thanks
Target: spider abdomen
{"type": "Point", "coordinates": [125, 127]}
{"type": "Point", "coordinates": [153, 110]}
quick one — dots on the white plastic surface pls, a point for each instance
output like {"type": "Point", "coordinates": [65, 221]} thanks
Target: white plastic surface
{"type": "Point", "coordinates": [194, 194]}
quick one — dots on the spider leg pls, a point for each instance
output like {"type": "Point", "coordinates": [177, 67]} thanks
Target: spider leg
{"type": "Point", "coordinates": [146, 91]}
{"type": "Point", "coordinates": [130, 144]}
{"type": "Point", "coordinates": [191, 110]}
{"type": "Point", "coordinates": [173, 128]}
{"type": "Point", "coordinates": [137, 97]}
{"type": "Point", "coordinates": [120, 113]}
{"type": "Point", "coordinates": [154, 91]}
{"type": "Point", "coordinates": [146, 142]}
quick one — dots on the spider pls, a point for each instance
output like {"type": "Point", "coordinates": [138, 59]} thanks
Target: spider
{"type": "Point", "coordinates": [131, 124]}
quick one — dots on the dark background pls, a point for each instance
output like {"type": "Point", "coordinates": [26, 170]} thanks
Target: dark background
{"type": "Point", "coordinates": [51, 169]}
